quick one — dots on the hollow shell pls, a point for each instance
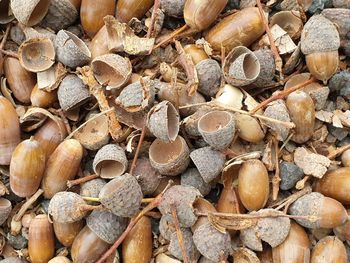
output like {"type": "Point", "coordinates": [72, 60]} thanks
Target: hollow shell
{"type": "Point", "coordinates": [66, 232]}
{"type": "Point", "coordinates": [289, 21]}
{"type": "Point", "coordinates": [29, 12]}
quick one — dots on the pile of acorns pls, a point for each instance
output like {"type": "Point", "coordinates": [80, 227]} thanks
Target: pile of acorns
{"type": "Point", "coordinates": [181, 130]}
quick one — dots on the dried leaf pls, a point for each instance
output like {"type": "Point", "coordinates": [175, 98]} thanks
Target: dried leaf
{"type": "Point", "coordinates": [344, 117]}
{"type": "Point", "coordinates": [311, 163]}
{"type": "Point", "coordinates": [231, 222]}
{"type": "Point", "coordinates": [205, 45]}
{"type": "Point", "coordinates": [269, 156]}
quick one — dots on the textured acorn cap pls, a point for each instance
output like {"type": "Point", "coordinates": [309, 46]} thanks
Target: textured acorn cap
{"type": "Point", "coordinates": [173, 8]}
{"type": "Point", "coordinates": [112, 70]}
{"type": "Point", "coordinates": [190, 123]}
{"type": "Point", "coordinates": [319, 35]}
{"type": "Point", "coordinates": [110, 161]}
{"type": "Point", "coordinates": [72, 92]}
{"type": "Point", "coordinates": [209, 76]}
{"type": "Point", "coordinates": [190, 248]}
{"type": "Point", "coordinates": [163, 121]}
{"type": "Point", "coordinates": [147, 177]}
{"type": "Point", "coordinates": [289, 21]}
{"type": "Point", "coordinates": [60, 15]}
{"type": "Point", "coordinates": [209, 162]}
{"type": "Point", "coordinates": [64, 207]}
{"type": "Point", "coordinates": [169, 158]}
{"type": "Point", "coordinates": [211, 243]}
{"type": "Point", "coordinates": [182, 198]}
{"type": "Point", "coordinates": [273, 230]}
{"type": "Point", "coordinates": [29, 12]}
{"type": "Point", "coordinates": [106, 225]}
{"type": "Point", "coordinates": [5, 14]}
{"type": "Point", "coordinates": [193, 178]}
{"type": "Point", "coordinates": [267, 67]}
{"type": "Point", "coordinates": [217, 129]}
{"type": "Point", "coordinates": [166, 226]}
{"type": "Point", "coordinates": [92, 188]}
{"type": "Point", "coordinates": [241, 67]}
{"type": "Point", "coordinates": [5, 209]}
{"type": "Point", "coordinates": [71, 50]}
{"type": "Point", "coordinates": [122, 196]}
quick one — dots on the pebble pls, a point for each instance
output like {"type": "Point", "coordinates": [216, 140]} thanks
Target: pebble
{"type": "Point", "coordinates": [17, 242]}
{"type": "Point", "coordinates": [290, 174]}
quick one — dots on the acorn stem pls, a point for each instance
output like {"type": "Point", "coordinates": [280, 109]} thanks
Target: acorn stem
{"type": "Point", "coordinates": [171, 36]}
{"type": "Point", "coordinates": [147, 200]}
{"type": "Point", "coordinates": [153, 18]}
{"type": "Point", "coordinates": [338, 151]}
{"type": "Point", "coordinates": [179, 233]}
{"type": "Point", "coordinates": [301, 183]}
{"type": "Point", "coordinates": [9, 53]}
{"type": "Point", "coordinates": [79, 181]}
{"type": "Point", "coordinates": [4, 38]}
{"type": "Point", "coordinates": [92, 199]}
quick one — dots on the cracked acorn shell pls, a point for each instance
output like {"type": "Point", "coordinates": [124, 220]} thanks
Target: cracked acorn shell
{"type": "Point", "coordinates": [5, 209]}
{"type": "Point", "coordinates": [29, 12]}
{"type": "Point", "coordinates": [110, 161]}
{"type": "Point", "coordinates": [289, 21]}
{"type": "Point", "coordinates": [66, 232]}
{"type": "Point", "coordinates": [169, 158]}
{"type": "Point", "coordinates": [41, 98]}
{"type": "Point", "coordinates": [163, 121]}
{"type": "Point", "coordinates": [329, 249]}
{"type": "Point", "coordinates": [122, 196]}
{"type": "Point", "coordinates": [203, 206]}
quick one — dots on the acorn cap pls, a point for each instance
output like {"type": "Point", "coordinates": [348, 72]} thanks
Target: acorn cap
{"type": "Point", "coordinates": [211, 243]}
{"type": "Point", "coordinates": [273, 230]}
{"type": "Point", "coordinates": [190, 123]}
{"type": "Point", "coordinates": [319, 35]}
{"type": "Point", "coordinates": [190, 248]}
{"type": "Point", "coordinates": [174, 8]}
{"type": "Point", "coordinates": [182, 198]}
{"type": "Point", "coordinates": [209, 162]}
{"type": "Point", "coordinates": [163, 121]}
{"type": "Point", "coordinates": [166, 226]}
{"type": "Point", "coordinates": [110, 161]}
{"type": "Point", "coordinates": [267, 67]}
{"type": "Point", "coordinates": [92, 188]}
{"type": "Point", "coordinates": [209, 76]}
{"type": "Point", "coordinates": [147, 177]}
{"type": "Point", "coordinates": [5, 14]}
{"type": "Point", "coordinates": [289, 21]}
{"type": "Point", "coordinates": [169, 158]}
{"type": "Point", "coordinates": [112, 70]}
{"type": "Point", "coordinates": [106, 225]}
{"type": "Point", "coordinates": [5, 209]}
{"type": "Point", "coordinates": [241, 67]}
{"type": "Point", "coordinates": [29, 12]}
{"type": "Point", "coordinates": [64, 207]}
{"type": "Point", "coordinates": [71, 50]}
{"type": "Point", "coordinates": [122, 196]}
{"type": "Point", "coordinates": [217, 129]}
{"type": "Point", "coordinates": [193, 178]}
{"type": "Point", "coordinates": [72, 92]}
{"type": "Point", "coordinates": [60, 15]}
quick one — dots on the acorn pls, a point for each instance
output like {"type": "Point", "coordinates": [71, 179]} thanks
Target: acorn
{"type": "Point", "coordinates": [71, 50]}
{"type": "Point", "coordinates": [196, 52]}
{"type": "Point", "coordinates": [169, 158]}
{"type": "Point", "coordinates": [173, 8]}
{"type": "Point", "coordinates": [137, 246]}
{"type": "Point", "coordinates": [267, 67]}
{"type": "Point", "coordinates": [92, 188]}
{"type": "Point", "coordinates": [182, 198]}
{"type": "Point", "coordinates": [209, 162]}
{"type": "Point", "coordinates": [296, 241]}
{"type": "Point", "coordinates": [302, 112]}
{"type": "Point", "coordinates": [111, 70]}
{"type": "Point", "coordinates": [329, 249]}
{"type": "Point", "coordinates": [319, 43]}
{"type": "Point", "coordinates": [289, 21]}
{"type": "Point", "coordinates": [209, 77]}
{"type": "Point", "coordinates": [29, 12]}
{"type": "Point", "coordinates": [127, 9]}
{"type": "Point", "coordinates": [190, 248]}
{"type": "Point", "coordinates": [122, 195]}
{"type": "Point", "coordinates": [10, 134]}
{"type": "Point", "coordinates": [345, 158]}
{"type": "Point", "coordinates": [253, 184]}
{"type": "Point", "coordinates": [72, 92]}
{"type": "Point", "coordinates": [66, 232]}
{"type": "Point", "coordinates": [6, 15]}
{"type": "Point", "coordinates": [193, 178]}
{"type": "Point", "coordinates": [166, 226]}
{"type": "Point", "coordinates": [20, 81]}
{"type": "Point", "coordinates": [41, 98]}
{"type": "Point", "coordinates": [194, 10]}
{"type": "Point", "coordinates": [211, 243]}
{"type": "Point", "coordinates": [341, 3]}
{"type": "Point", "coordinates": [147, 176]}
{"type": "Point", "coordinates": [217, 129]}
{"type": "Point", "coordinates": [62, 165]}
{"type": "Point", "coordinates": [163, 258]}
{"type": "Point", "coordinates": [41, 240]}
{"type": "Point", "coordinates": [163, 121]}
{"type": "Point", "coordinates": [50, 135]}
{"type": "Point", "coordinates": [27, 167]}
{"type": "Point", "coordinates": [110, 161]}
{"type": "Point", "coordinates": [329, 212]}
{"type": "Point", "coordinates": [59, 259]}
{"type": "Point", "coordinates": [239, 29]}
{"type": "Point", "coordinates": [335, 184]}
{"type": "Point", "coordinates": [343, 231]}
{"type": "Point", "coordinates": [99, 44]}
{"type": "Point", "coordinates": [5, 209]}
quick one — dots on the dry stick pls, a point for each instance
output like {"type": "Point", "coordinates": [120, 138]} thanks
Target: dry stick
{"type": "Point", "coordinates": [153, 17]}
{"type": "Point", "coordinates": [301, 183]}
{"type": "Point", "coordinates": [4, 38]}
{"type": "Point", "coordinates": [338, 151]}
{"type": "Point", "coordinates": [132, 223]}
{"type": "Point", "coordinates": [171, 36]}
{"type": "Point", "coordinates": [179, 234]}
{"type": "Point", "coordinates": [282, 94]}
{"type": "Point", "coordinates": [79, 181]}
{"type": "Point", "coordinates": [290, 199]}
{"type": "Point", "coordinates": [9, 53]}
{"type": "Point", "coordinates": [97, 199]}
{"type": "Point", "coordinates": [276, 179]}
{"type": "Point", "coordinates": [142, 137]}
{"type": "Point", "coordinates": [27, 204]}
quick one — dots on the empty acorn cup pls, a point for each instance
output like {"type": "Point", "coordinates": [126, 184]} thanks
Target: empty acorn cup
{"type": "Point", "coordinates": [37, 54]}
{"type": "Point", "coordinates": [5, 209]}
{"type": "Point", "coordinates": [110, 161]}
{"type": "Point", "coordinates": [217, 129]}
{"type": "Point", "coordinates": [111, 70]}
{"type": "Point", "coordinates": [163, 121]}
{"type": "Point", "coordinates": [169, 158]}
{"type": "Point", "coordinates": [71, 50]}
{"type": "Point", "coordinates": [241, 67]}
{"type": "Point", "coordinates": [29, 12]}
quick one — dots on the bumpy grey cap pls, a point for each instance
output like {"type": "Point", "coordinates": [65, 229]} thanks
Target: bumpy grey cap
{"type": "Point", "coordinates": [209, 76]}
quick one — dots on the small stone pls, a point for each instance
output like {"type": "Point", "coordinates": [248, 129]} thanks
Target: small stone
{"type": "Point", "coordinates": [338, 133]}
{"type": "Point", "coordinates": [17, 242]}
{"type": "Point", "coordinates": [290, 174]}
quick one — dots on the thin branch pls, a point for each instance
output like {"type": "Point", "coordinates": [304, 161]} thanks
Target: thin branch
{"type": "Point", "coordinates": [171, 36]}
{"type": "Point", "coordinates": [28, 204]}
{"type": "Point", "coordinates": [142, 137]}
{"type": "Point", "coordinates": [9, 53]}
{"type": "Point", "coordinates": [179, 234]}
{"type": "Point", "coordinates": [153, 18]}
{"type": "Point", "coordinates": [79, 181]}
{"type": "Point", "coordinates": [338, 151]}
{"type": "Point", "coordinates": [5, 36]}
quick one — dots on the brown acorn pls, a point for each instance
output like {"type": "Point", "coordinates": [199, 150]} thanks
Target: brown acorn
{"type": "Point", "coordinates": [127, 9]}
{"type": "Point", "coordinates": [249, 128]}
{"type": "Point", "coordinates": [41, 242]}
{"type": "Point", "coordinates": [345, 158]}
{"type": "Point", "coordinates": [329, 249]}
{"type": "Point", "coordinates": [343, 231]}
{"type": "Point", "coordinates": [29, 12]}
{"type": "Point", "coordinates": [5, 209]}
{"type": "Point", "coordinates": [62, 165]}
{"type": "Point", "coordinates": [10, 134]}
{"type": "Point", "coordinates": [59, 259]}
{"type": "Point", "coordinates": [41, 98]}
{"type": "Point", "coordinates": [147, 177]}
{"type": "Point", "coordinates": [27, 167]}
{"type": "Point", "coordinates": [66, 232]}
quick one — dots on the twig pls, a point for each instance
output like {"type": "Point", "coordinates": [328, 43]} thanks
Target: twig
{"type": "Point", "coordinates": [9, 53]}
{"type": "Point", "coordinates": [132, 223]}
{"type": "Point", "coordinates": [179, 234]}
{"type": "Point", "coordinates": [91, 207]}
{"type": "Point", "coordinates": [153, 18]}
{"type": "Point", "coordinates": [142, 137]}
{"type": "Point", "coordinates": [91, 199]}
{"type": "Point", "coordinates": [276, 179]}
{"type": "Point", "coordinates": [282, 94]}
{"type": "Point", "coordinates": [5, 36]}
{"type": "Point", "coordinates": [64, 119]}
{"type": "Point", "coordinates": [79, 181]}
{"type": "Point", "coordinates": [171, 36]}
{"type": "Point", "coordinates": [27, 204]}
{"type": "Point", "coordinates": [338, 151]}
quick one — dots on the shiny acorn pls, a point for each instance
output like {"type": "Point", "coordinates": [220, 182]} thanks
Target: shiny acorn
{"type": "Point", "coordinates": [127, 9]}
{"type": "Point", "coordinates": [66, 232]}
{"type": "Point", "coordinates": [329, 249]}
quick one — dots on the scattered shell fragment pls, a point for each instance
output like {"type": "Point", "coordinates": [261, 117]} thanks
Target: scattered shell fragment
{"type": "Point", "coordinates": [29, 12]}
{"type": "Point", "coordinates": [289, 21]}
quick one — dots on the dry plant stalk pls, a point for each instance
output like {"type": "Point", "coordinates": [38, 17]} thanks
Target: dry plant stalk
{"type": "Point", "coordinates": [142, 137]}
{"type": "Point", "coordinates": [179, 233]}
{"type": "Point", "coordinates": [153, 18]}
{"type": "Point", "coordinates": [338, 151]}
{"type": "Point", "coordinates": [276, 178]}
{"type": "Point", "coordinates": [27, 204]}
{"type": "Point", "coordinates": [79, 181]}
{"type": "Point", "coordinates": [171, 36]}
